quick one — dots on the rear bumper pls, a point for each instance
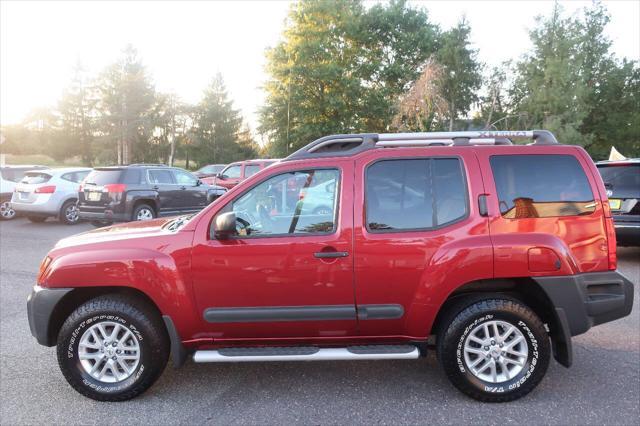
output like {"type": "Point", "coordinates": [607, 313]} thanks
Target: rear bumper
{"type": "Point", "coordinates": [41, 304]}
{"type": "Point", "coordinates": [627, 232]}
{"type": "Point", "coordinates": [589, 299]}
{"type": "Point", "coordinates": [106, 215]}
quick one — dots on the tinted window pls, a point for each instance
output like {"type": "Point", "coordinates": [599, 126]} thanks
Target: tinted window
{"type": "Point", "coordinates": [33, 178]}
{"type": "Point", "coordinates": [251, 169]}
{"type": "Point", "coordinates": [75, 177]}
{"type": "Point", "coordinates": [184, 178]}
{"type": "Point", "coordinates": [104, 177]}
{"type": "Point", "coordinates": [621, 176]}
{"type": "Point", "coordinates": [541, 186]}
{"type": "Point", "coordinates": [134, 176]}
{"type": "Point", "coordinates": [163, 177]}
{"type": "Point", "coordinates": [301, 202]}
{"type": "Point", "coordinates": [414, 194]}
{"type": "Point", "coordinates": [232, 171]}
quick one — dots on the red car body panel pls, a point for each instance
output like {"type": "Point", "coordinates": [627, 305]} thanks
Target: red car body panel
{"type": "Point", "coordinates": [229, 183]}
{"type": "Point", "coordinates": [185, 272]}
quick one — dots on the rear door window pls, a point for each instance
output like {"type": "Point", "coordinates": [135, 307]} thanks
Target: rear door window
{"type": "Point", "coordinates": [185, 178]}
{"type": "Point", "coordinates": [414, 194]}
{"type": "Point", "coordinates": [161, 177]}
{"type": "Point", "coordinates": [531, 186]}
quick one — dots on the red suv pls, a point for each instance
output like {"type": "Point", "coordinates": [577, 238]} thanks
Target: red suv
{"type": "Point", "coordinates": [493, 254]}
{"type": "Point", "coordinates": [235, 173]}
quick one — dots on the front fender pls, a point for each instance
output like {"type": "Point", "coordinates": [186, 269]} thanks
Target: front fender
{"type": "Point", "coordinates": [164, 278]}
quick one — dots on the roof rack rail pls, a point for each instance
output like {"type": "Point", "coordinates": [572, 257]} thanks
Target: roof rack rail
{"type": "Point", "coordinates": [148, 164]}
{"type": "Point", "coordinates": [347, 145]}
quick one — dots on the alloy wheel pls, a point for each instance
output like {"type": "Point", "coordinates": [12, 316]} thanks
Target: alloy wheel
{"type": "Point", "coordinates": [144, 214]}
{"type": "Point", "coordinates": [109, 352]}
{"type": "Point", "coordinates": [6, 212]}
{"type": "Point", "coordinates": [495, 351]}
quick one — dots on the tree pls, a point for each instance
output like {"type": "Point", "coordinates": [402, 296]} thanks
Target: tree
{"type": "Point", "coordinates": [217, 127]}
{"type": "Point", "coordinates": [419, 109]}
{"type": "Point", "coordinates": [76, 111]}
{"type": "Point", "coordinates": [461, 71]}
{"type": "Point", "coordinates": [340, 69]}
{"type": "Point", "coordinates": [127, 97]}
{"type": "Point", "coordinates": [571, 84]}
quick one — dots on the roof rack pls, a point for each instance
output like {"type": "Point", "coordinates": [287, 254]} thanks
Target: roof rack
{"type": "Point", "coordinates": [347, 145]}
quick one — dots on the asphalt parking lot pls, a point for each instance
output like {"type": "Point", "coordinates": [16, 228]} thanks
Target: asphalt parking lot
{"type": "Point", "coordinates": [602, 387]}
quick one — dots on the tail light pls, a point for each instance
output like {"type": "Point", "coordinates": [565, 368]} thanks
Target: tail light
{"type": "Point", "coordinates": [115, 188]}
{"type": "Point", "coordinates": [49, 189]}
{"type": "Point", "coordinates": [611, 236]}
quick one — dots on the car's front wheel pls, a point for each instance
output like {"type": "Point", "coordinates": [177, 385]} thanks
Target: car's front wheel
{"type": "Point", "coordinates": [112, 348]}
{"type": "Point", "coordinates": [495, 350]}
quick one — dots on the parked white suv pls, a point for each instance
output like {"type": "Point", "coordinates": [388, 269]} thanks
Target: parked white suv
{"type": "Point", "coordinates": [46, 193]}
{"type": "Point", "coordinates": [9, 177]}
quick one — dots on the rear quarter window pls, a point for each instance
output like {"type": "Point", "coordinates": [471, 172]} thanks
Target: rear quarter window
{"type": "Point", "coordinates": [35, 178]}
{"type": "Point", "coordinates": [104, 177]}
{"type": "Point", "coordinates": [534, 186]}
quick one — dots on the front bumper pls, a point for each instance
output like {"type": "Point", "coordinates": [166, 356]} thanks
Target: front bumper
{"type": "Point", "coordinates": [41, 307]}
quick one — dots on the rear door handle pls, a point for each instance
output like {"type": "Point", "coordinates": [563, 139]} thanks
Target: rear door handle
{"type": "Point", "coordinates": [330, 254]}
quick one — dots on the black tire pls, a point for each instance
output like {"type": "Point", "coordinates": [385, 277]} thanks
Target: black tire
{"type": "Point", "coordinates": [140, 208]}
{"type": "Point", "coordinates": [67, 217]}
{"type": "Point", "coordinates": [451, 353]}
{"type": "Point", "coordinates": [36, 219]}
{"type": "Point", "coordinates": [147, 329]}
{"type": "Point", "coordinates": [100, 223]}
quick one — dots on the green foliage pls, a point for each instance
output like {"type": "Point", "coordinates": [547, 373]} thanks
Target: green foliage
{"type": "Point", "coordinates": [217, 132]}
{"type": "Point", "coordinates": [462, 75]}
{"type": "Point", "coordinates": [340, 68]}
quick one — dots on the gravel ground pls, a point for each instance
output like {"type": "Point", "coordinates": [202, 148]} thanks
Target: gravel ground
{"type": "Point", "coordinates": [602, 387]}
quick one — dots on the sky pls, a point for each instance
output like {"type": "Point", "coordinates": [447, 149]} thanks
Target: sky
{"type": "Point", "coordinates": [184, 44]}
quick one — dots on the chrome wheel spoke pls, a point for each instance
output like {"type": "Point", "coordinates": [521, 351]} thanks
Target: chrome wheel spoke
{"type": "Point", "coordinates": [490, 357]}
{"type": "Point", "coordinates": [109, 352]}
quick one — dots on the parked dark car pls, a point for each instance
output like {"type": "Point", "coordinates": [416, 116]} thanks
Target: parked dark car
{"type": "Point", "coordinates": [141, 192]}
{"type": "Point", "coordinates": [210, 170]}
{"type": "Point", "coordinates": [622, 181]}
{"type": "Point", "coordinates": [9, 177]}
{"type": "Point", "coordinates": [236, 172]}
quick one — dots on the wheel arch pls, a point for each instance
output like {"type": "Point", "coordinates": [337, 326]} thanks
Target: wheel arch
{"type": "Point", "coordinates": [79, 295]}
{"type": "Point", "coordinates": [525, 290]}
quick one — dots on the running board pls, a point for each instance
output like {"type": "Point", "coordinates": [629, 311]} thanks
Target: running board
{"type": "Point", "coordinates": [307, 353]}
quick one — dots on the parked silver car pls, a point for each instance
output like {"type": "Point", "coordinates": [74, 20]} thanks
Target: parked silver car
{"type": "Point", "coordinates": [9, 178]}
{"type": "Point", "coordinates": [49, 193]}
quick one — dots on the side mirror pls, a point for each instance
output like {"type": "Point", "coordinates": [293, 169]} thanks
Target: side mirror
{"type": "Point", "coordinates": [220, 176]}
{"type": "Point", "coordinates": [198, 182]}
{"type": "Point", "coordinates": [225, 226]}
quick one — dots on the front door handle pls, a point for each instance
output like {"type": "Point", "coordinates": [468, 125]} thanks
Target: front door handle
{"type": "Point", "coordinates": [330, 254]}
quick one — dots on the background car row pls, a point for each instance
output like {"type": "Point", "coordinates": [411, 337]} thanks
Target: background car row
{"type": "Point", "coordinates": [101, 195]}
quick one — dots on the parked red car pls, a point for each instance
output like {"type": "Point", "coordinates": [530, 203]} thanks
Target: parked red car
{"type": "Point", "coordinates": [494, 255]}
{"type": "Point", "coordinates": [235, 173]}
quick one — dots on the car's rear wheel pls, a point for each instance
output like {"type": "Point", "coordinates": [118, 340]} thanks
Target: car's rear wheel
{"type": "Point", "coordinates": [143, 212]}
{"type": "Point", "coordinates": [112, 348]}
{"type": "Point", "coordinates": [495, 350]}
{"type": "Point", "coordinates": [6, 211]}
{"type": "Point", "coordinates": [36, 219]}
{"type": "Point", "coordinates": [69, 213]}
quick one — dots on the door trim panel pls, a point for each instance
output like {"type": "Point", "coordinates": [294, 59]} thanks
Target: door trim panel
{"type": "Point", "coordinates": [302, 313]}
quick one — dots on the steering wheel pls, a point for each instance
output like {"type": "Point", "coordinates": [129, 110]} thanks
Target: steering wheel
{"type": "Point", "coordinates": [245, 221]}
